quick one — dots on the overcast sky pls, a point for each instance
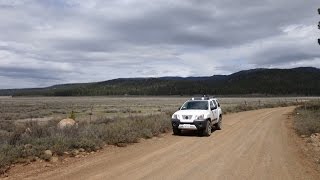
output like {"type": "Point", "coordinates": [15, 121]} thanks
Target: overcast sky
{"type": "Point", "coordinates": [47, 42]}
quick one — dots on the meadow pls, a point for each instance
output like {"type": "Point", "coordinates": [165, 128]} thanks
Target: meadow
{"type": "Point", "coordinates": [43, 109]}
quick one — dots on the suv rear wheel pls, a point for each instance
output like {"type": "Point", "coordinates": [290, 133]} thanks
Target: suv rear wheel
{"type": "Point", "coordinates": [219, 124]}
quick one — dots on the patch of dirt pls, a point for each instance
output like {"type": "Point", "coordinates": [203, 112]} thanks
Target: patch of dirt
{"type": "Point", "coordinates": [311, 147]}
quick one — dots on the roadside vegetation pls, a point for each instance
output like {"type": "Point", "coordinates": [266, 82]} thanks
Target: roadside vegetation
{"type": "Point", "coordinates": [307, 119]}
{"type": "Point", "coordinates": [307, 126]}
{"type": "Point", "coordinates": [28, 142]}
{"type": "Point", "coordinates": [249, 107]}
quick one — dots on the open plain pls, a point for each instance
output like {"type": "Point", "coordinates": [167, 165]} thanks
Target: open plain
{"type": "Point", "coordinates": [252, 145]}
{"type": "Point", "coordinates": [86, 108]}
{"type": "Point", "coordinates": [256, 144]}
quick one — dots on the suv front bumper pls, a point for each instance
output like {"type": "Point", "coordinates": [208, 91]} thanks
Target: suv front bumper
{"type": "Point", "coordinates": [195, 125]}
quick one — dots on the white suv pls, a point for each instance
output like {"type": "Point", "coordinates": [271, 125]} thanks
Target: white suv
{"type": "Point", "coordinates": [200, 114]}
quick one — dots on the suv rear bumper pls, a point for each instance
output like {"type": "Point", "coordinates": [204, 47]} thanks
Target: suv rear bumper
{"type": "Point", "coordinates": [195, 125]}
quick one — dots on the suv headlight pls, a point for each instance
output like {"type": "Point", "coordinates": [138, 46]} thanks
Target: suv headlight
{"type": "Point", "coordinates": [175, 116]}
{"type": "Point", "coordinates": [200, 117]}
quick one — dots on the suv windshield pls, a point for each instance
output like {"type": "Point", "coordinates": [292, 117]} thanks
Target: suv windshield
{"type": "Point", "coordinates": [201, 105]}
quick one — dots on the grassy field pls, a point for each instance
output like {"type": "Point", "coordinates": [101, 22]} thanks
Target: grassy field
{"type": "Point", "coordinates": [93, 108]}
{"type": "Point", "coordinates": [102, 120]}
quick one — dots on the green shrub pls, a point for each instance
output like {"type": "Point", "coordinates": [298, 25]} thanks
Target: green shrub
{"type": "Point", "coordinates": [9, 154]}
{"type": "Point", "coordinates": [72, 115]}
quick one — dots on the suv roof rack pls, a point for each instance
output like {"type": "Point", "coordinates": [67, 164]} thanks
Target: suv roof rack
{"type": "Point", "coordinates": [202, 97]}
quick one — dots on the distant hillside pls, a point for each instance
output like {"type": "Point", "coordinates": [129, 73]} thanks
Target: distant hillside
{"type": "Point", "coordinates": [297, 81]}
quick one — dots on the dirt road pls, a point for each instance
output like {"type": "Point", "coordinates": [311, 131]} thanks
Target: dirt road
{"type": "Point", "coordinates": [252, 145]}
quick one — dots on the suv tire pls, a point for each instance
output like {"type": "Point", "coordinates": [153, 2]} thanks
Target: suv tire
{"type": "Point", "coordinates": [207, 130]}
{"type": "Point", "coordinates": [219, 124]}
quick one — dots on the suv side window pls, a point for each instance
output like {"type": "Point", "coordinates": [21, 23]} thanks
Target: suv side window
{"type": "Point", "coordinates": [211, 104]}
{"type": "Point", "coordinates": [215, 103]}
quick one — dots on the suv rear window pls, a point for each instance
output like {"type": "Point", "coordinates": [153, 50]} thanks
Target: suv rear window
{"type": "Point", "coordinates": [201, 105]}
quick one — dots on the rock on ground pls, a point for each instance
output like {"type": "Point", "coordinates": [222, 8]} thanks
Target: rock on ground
{"type": "Point", "coordinates": [47, 154]}
{"type": "Point", "coordinates": [66, 123]}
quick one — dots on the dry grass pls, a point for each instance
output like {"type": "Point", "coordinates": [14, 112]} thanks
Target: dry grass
{"type": "Point", "coordinates": [21, 144]}
{"type": "Point", "coordinates": [86, 108]}
{"type": "Point", "coordinates": [93, 108]}
{"type": "Point", "coordinates": [249, 107]}
{"type": "Point", "coordinates": [307, 119]}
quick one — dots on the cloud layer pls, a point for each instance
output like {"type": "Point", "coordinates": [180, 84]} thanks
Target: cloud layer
{"type": "Point", "coordinates": [46, 42]}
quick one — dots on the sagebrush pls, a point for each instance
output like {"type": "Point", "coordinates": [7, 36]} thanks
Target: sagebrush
{"type": "Point", "coordinates": [307, 118]}
{"type": "Point", "coordinates": [32, 139]}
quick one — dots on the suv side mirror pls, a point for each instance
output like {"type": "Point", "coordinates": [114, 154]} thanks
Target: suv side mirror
{"type": "Point", "coordinates": [213, 108]}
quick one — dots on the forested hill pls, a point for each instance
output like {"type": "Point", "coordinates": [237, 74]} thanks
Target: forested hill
{"type": "Point", "coordinates": [297, 81]}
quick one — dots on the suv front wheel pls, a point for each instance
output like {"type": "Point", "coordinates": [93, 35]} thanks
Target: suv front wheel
{"type": "Point", "coordinates": [208, 129]}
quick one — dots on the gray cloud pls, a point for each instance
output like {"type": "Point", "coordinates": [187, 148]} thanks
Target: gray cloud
{"type": "Point", "coordinates": [48, 42]}
{"type": "Point", "coordinates": [33, 74]}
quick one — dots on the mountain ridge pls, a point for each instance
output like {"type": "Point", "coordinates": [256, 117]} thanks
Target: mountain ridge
{"type": "Point", "coordinates": [295, 81]}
